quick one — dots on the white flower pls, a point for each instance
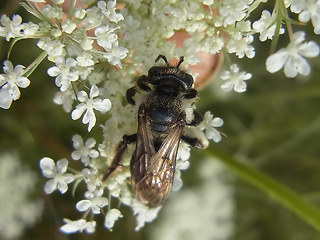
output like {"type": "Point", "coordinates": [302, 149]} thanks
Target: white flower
{"type": "Point", "coordinates": [109, 10]}
{"type": "Point", "coordinates": [78, 226]}
{"type": "Point", "coordinates": [88, 104]}
{"type": "Point", "coordinates": [296, 6]}
{"type": "Point", "coordinates": [85, 65]}
{"type": "Point", "coordinates": [112, 216]}
{"type": "Point", "coordinates": [233, 10]}
{"type": "Point", "coordinates": [68, 26]}
{"type": "Point", "coordinates": [84, 151]}
{"type": "Point", "coordinates": [207, 2]}
{"type": "Point", "coordinates": [30, 29]}
{"type": "Point", "coordinates": [54, 48]}
{"type": "Point", "coordinates": [18, 206]}
{"type": "Point", "coordinates": [52, 11]}
{"type": "Point", "coordinates": [79, 13]}
{"type": "Point", "coordinates": [94, 204]}
{"type": "Point", "coordinates": [183, 156]}
{"type": "Point", "coordinates": [143, 213]}
{"type": "Point", "coordinates": [235, 79]}
{"type": "Point", "coordinates": [105, 37]}
{"type": "Point", "coordinates": [57, 172]}
{"type": "Point", "coordinates": [184, 151]}
{"type": "Point", "coordinates": [10, 82]}
{"type": "Point", "coordinates": [85, 60]}
{"type": "Point", "coordinates": [115, 55]}
{"type": "Point", "coordinates": [204, 212]}
{"type": "Point", "coordinates": [209, 124]}
{"type": "Point", "coordinates": [292, 57]}
{"type": "Point", "coordinates": [58, 1]}
{"type": "Point", "coordinates": [266, 26]}
{"type": "Point", "coordinates": [241, 46]}
{"type": "Point", "coordinates": [65, 99]}
{"type": "Point", "coordinates": [11, 29]}
{"type": "Point", "coordinates": [311, 10]}
{"type": "Point", "coordinates": [92, 180]}
{"type": "Point", "coordinates": [65, 73]}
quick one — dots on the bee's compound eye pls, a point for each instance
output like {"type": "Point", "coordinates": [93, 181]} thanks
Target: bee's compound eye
{"type": "Point", "coordinates": [154, 71]}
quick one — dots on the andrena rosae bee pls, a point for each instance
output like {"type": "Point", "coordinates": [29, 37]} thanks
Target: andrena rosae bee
{"type": "Point", "coordinates": [163, 114]}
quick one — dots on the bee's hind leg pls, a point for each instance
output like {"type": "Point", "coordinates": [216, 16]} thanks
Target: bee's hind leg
{"type": "Point", "coordinates": [121, 147]}
{"type": "Point", "coordinates": [197, 142]}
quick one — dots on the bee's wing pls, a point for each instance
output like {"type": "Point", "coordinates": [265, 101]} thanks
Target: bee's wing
{"type": "Point", "coordinates": [158, 174]}
{"type": "Point", "coordinates": [144, 149]}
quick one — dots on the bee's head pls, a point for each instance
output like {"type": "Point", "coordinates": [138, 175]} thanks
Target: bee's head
{"type": "Point", "coordinates": [168, 76]}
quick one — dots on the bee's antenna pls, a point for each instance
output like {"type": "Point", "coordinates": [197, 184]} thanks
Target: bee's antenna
{"type": "Point", "coordinates": [162, 57]}
{"type": "Point", "coordinates": [179, 63]}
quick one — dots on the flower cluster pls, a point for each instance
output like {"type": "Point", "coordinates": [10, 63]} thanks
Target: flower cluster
{"type": "Point", "coordinates": [97, 48]}
{"type": "Point", "coordinates": [18, 210]}
{"type": "Point", "coordinates": [214, 195]}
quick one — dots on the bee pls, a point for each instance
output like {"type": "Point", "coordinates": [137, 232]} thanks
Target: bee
{"type": "Point", "coordinates": [165, 116]}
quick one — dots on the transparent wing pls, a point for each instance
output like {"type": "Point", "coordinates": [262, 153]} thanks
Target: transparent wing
{"type": "Point", "coordinates": [153, 172]}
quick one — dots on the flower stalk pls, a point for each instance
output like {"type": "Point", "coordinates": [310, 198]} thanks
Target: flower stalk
{"type": "Point", "coordinates": [279, 192]}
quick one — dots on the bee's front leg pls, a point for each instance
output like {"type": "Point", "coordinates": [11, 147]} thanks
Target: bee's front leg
{"type": "Point", "coordinates": [142, 84]}
{"type": "Point", "coordinates": [121, 147]}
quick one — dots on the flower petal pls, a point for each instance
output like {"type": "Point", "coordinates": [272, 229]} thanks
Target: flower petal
{"type": "Point", "coordinates": [111, 217]}
{"type": "Point", "coordinates": [276, 61]}
{"type": "Point", "coordinates": [62, 186]}
{"type": "Point", "coordinates": [310, 49]}
{"type": "Point", "coordinates": [62, 165]}
{"type": "Point", "coordinates": [77, 141]}
{"type": "Point", "coordinates": [83, 205]}
{"type": "Point", "coordinates": [50, 186]}
{"type": "Point", "coordinates": [94, 92]}
{"type": "Point", "coordinates": [5, 98]}
{"type": "Point", "coordinates": [290, 68]}
{"type": "Point", "coordinates": [47, 164]}
{"type": "Point", "coordinates": [102, 106]}
{"type": "Point", "coordinates": [76, 114]}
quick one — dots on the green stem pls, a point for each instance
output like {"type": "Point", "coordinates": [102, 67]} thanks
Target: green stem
{"type": "Point", "coordinates": [35, 64]}
{"type": "Point", "coordinates": [276, 190]}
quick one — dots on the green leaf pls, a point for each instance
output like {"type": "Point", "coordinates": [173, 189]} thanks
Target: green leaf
{"type": "Point", "coordinates": [279, 192]}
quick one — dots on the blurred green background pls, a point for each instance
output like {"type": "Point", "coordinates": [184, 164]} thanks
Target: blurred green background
{"type": "Point", "coordinates": [275, 126]}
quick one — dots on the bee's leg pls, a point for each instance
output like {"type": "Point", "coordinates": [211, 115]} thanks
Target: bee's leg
{"type": "Point", "coordinates": [121, 147]}
{"type": "Point", "coordinates": [130, 94]}
{"type": "Point", "coordinates": [142, 83]}
{"type": "Point", "coordinates": [197, 119]}
{"type": "Point", "coordinates": [192, 93]}
{"type": "Point", "coordinates": [199, 142]}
